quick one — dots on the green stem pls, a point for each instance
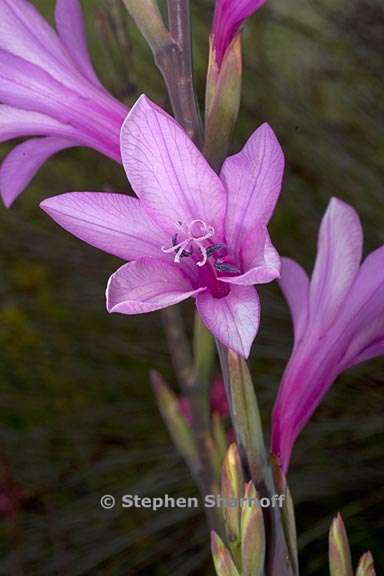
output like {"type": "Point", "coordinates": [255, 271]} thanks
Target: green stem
{"type": "Point", "coordinates": [247, 424]}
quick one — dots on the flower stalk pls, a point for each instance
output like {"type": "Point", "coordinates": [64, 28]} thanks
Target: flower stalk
{"type": "Point", "coordinates": [172, 50]}
{"type": "Point", "coordinates": [249, 436]}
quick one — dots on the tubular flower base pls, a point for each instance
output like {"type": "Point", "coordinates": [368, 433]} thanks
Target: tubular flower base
{"type": "Point", "coordinates": [191, 233]}
{"type": "Point", "coordinates": [49, 89]}
{"type": "Point", "coordinates": [338, 320]}
{"type": "Point", "coordinates": [229, 16]}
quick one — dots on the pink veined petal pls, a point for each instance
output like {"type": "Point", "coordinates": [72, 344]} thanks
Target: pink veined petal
{"type": "Point", "coordinates": [114, 223]}
{"type": "Point", "coordinates": [262, 264]}
{"type": "Point", "coordinates": [167, 171]}
{"type": "Point", "coordinates": [16, 123]}
{"type": "Point", "coordinates": [361, 320]}
{"type": "Point", "coordinates": [253, 180]}
{"type": "Point", "coordinates": [71, 29]}
{"type": "Point", "coordinates": [24, 161]}
{"type": "Point", "coordinates": [26, 86]}
{"type": "Point", "coordinates": [146, 285]}
{"type": "Point", "coordinates": [25, 33]}
{"type": "Point", "coordinates": [294, 283]}
{"type": "Point", "coordinates": [310, 373]}
{"type": "Point", "coordinates": [229, 15]}
{"type": "Point", "coordinates": [234, 319]}
{"type": "Point", "coordinates": [22, 26]}
{"type": "Point", "coordinates": [338, 259]}
{"type": "Point", "coordinates": [373, 351]}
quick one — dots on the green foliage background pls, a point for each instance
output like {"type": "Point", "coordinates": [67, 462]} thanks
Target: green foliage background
{"type": "Point", "coordinates": [77, 417]}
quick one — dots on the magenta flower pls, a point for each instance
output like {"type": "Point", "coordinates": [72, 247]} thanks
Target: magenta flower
{"type": "Point", "coordinates": [49, 88]}
{"type": "Point", "coordinates": [191, 233]}
{"type": "Point", "coordinates": [338, 321]}
{"type": "Point", "coordinates": [229, 16]}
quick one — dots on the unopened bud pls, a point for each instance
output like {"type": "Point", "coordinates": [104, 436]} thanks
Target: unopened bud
{"type": "Point", "coordinates": [232, 488]}
{"type": "Point", "coordinates": [148, 19]}
{"type": "Point", "coordinates": [252, 534]}
{"type": "Point", "coordinates": [177, 424]}
{"type": "Point", "coordinates": [222, 558]}
{"type": "Point", "coordinates": [223, 95]}
{"type": "Point", "coordinates": [366, 567]}
{"type": "Point", "coordinates": [340, 563]}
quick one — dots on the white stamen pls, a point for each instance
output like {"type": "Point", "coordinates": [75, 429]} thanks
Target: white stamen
{"type": "Point", "coordinates": [198, 238]}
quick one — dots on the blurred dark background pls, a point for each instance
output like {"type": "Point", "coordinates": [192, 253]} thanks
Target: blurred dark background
{"type": "Point", "coordinates": [77, 416]}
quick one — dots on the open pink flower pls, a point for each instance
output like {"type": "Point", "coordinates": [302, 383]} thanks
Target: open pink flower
{"type": "Point", "coordinates": [338, 321]}
{"type": "Point", "coordinates": [191, 232]}
{"type": "Point", "coordinates": [48, 88]}
{"type": "Point", "coordinates": [229, 16]}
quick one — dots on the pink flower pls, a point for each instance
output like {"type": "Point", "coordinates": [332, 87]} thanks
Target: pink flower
{"type": "Point", "coordinates": [218, 401]}
{"type": "Point", "coordinates": [229, 16]}
{"type": "Point", "coordinates": [191, 233]}
{"type": "Point", "coordinates": [48, 88]}
{"type": "Point", "coordinates": [338, 320]}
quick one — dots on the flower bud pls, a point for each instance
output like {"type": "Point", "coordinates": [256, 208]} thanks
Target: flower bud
{"type": "Point", "coordinates": [177, 424]}
{"type": "Point", "coordinates": [232, 488]}
{"type": "Point", "coordinates": [223, 95]}
{"type": "Point", "coordinates": [252, 534]}
{"type": "Point", "coordinates": [340, 563]}
{"type": "Point", "coordinates": [148, 19]}
{"type": "Point", "coordinates": [222, 557]}
{"type": "Point", "coordinates": [366, 567]}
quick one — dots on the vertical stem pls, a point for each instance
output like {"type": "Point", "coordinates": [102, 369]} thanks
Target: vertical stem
{"type": "Point", "coordinates": [175, 63]}
{"type": "Point", "coordinates": [178, 344]}
{"type": "Point", "coordinates": [179, 19]}
{"type": "Point", "coordinates": [249, 436]}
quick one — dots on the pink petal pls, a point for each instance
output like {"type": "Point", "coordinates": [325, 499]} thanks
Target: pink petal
{"type": "Point", "coordinates": [115, 223]}
{"type": "Point", "coordinates": [294, 283]}
{"type": "Point", "coordinates": [253, 180]}
{"type": "Point", "coordinates": [147, 285]}
{"type": "Point", "coordinates": [373, 351]}
{"type": "Point", "coordinates": [25, 33]}
{"type": "Point", "coordinates": [71, 29]}
{"type": "Point", "coordinates": [229, 15]}
{"type": "Point", "coordinates": [24, 161]}
{"type": "Point", "coordinates": [262, 264]}
{"type": "Point", "coordinates": [362, 316]}
{"type": "Point", "coordinates": [16, 123]}
{"type": "Point", "coordinates": [234, 319]}
{"type": "Point", "coordinates": [339, 254]}
{"type": "Point", "coordinates": [167, 171]}
{"type": "Point", "coordinates": [27, 86]}
{"type": "Point", "coordinates": [92, 114]}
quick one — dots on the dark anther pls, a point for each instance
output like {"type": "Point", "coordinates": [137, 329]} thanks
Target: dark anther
{"type": "Point", "coordinates": [224, 267]}
{"type": "Point", "coordinates": [213, 249]}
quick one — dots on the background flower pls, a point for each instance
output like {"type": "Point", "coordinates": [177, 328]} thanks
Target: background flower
{"type": "Point", "coordinates": [49, 89]}
{"type": "Point", "coordinates": [338, 319]}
